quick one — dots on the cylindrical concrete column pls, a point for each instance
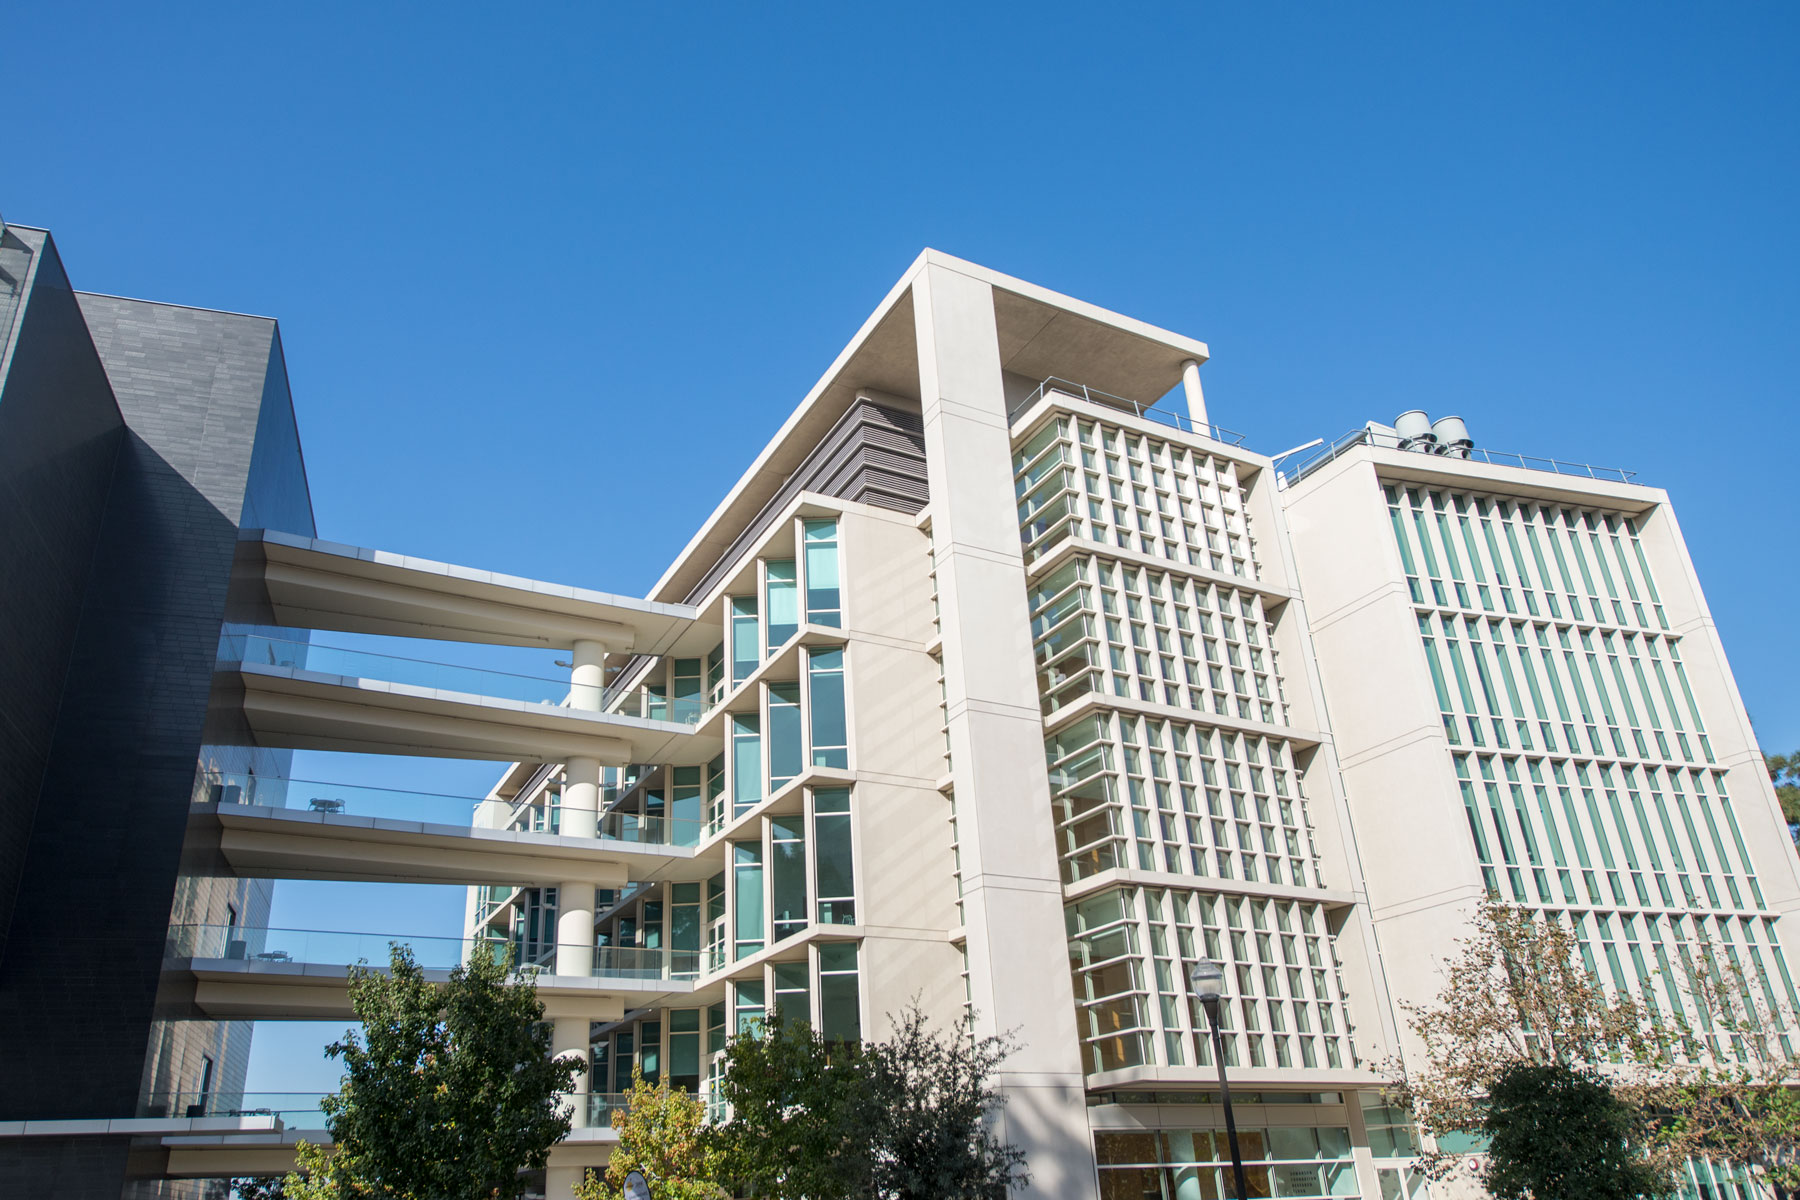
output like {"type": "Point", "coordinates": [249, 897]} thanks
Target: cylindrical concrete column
{"type": "Point", "coordinates": [575, 929]}
{"type": "Point", "coordinates": [569, 1040]}
{"type": "Point", "coordinates": [586, 678]}
{"type": "Point", "coordinates": [580, 797]}
{"type": "Point", "coordinates": [560, 1182]}
{"type": "Point", "coordinates": [1190, 387]}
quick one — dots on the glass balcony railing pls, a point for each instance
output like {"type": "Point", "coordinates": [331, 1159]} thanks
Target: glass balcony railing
{"type": "Point", "coordinates": [296, 1110]}
{"type": "Point", "coordinates": [654, 704]}
{"type": "Point", "coordinates": [261, 650]}
{"type": "Point", "coordinates": [238, 943]}
{"type": "Point", "coordinates": [443, 808]}
{"type": "Point", "coordinates": [602, 1106]}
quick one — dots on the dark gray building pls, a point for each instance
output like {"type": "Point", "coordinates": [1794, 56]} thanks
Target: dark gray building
{"type": "Point", "coordinates": [136, 439]}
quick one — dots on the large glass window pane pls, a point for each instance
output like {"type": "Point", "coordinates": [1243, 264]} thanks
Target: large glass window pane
{"type": "Point", "coordinates": [791, 999]}
{"type": "Point", "coordinates": [685, 813]}
{"type": "Point", "coordinates": [823, 603]}
{"type": "Point", "coordinates": [684, 1049]}
{"type": "Point", "coordinates": [650, 1055]}
{"type": "Point", "coordinates": [684, 928]}
{"type": "Point", "coordinates": [784, 734]}
{"type": "Point", "coordinates": [830, 734]}
{"type": "Point", "coordinates": [687, 705]}
{"type": "Point", "coordinates": [749, 1005]}
{"type": "Point", "coordinates": [746, 650]}
{"type": "Point", "coordinates": [746, 763]}
{"type": "Point", "coordinates": [840, 1010]}
{"type": "Point", "coordinates": [831, 839]}
{"type": "Point", "coordinates": [783, 603]}
{"type": "Point", "coordinates": [747, 896]}
{"type": "Point", "coordinates": [622, 1059]}
{"type": "Point", "coordinates": [787, 878]}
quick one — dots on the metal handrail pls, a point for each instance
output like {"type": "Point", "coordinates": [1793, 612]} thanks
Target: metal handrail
{"type": "Point", "coordinates": [1081, 391]}
{"type": "Point", "coordinates": [1498, 458]}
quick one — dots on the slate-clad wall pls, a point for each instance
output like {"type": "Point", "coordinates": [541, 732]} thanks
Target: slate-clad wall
{"type": "Point", "coordinates": [78, 988]}
{"type": "Point", "coordinates": [873, 455]}
{"type": "Point", "coordinates": [59, 437]}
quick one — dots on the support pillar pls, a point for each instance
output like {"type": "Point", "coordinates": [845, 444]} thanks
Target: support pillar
{"type": "Point", "coordinates": [1190, 387]}
{"type": "Point", "coordinates": [586, 679]}
{"type": "Point", "coordinates": [569, 1040]}
{"type": "Point", "coordinates": [560, 1182]}
{"type": "Point", "coordinates": [575, 929]}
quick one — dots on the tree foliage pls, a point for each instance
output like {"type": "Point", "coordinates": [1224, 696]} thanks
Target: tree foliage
{"type": "Point", "coordinates": [1556, 1131]}
{"type": "Point", "coordinates": [1516, 995]}
{"type": "Point", "coordinates": [1709, 1080]}
{"type": "Point", "coordinates": [903, 1119]}
{"type": "Point", "coordinates": [802, 1118]}
{"type": "Point", "coordinates": [935, 1095]}
{"type": "Point", "coordinates": [448, 1092]}
{"type": "Point", "coordinates": [662, 1132]}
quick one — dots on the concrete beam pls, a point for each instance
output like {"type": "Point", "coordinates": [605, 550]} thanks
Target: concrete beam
{"type": "Point", "coordinates": [312, 584]}
{"type": "Point", "coordinates": [307, 710]}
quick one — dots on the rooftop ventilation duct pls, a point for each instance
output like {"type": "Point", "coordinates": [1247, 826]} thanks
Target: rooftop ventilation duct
{"type": "Point", "coordinates": [1415, 430]}
{"type": "Point", "coordinates": [1452, 437]}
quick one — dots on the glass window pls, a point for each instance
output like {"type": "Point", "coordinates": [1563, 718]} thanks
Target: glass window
{"type": "Point", "coordinates": [830, 733]}
{"type": "Point", "coordinates": [684, 810]}
{"type": "Point", "coordinates": [715, 1029]}
{"type": "Point", "coordinates": [831, 841]}
{"type": "Point", "coordinates": [745, 651]}
{"type": "Point", "coordinates": [650, 1052]}
{"type": "Point", "coordinates": [792, 1001]}
{"type": "Point", "coordinates": [785, 754]}
{"type": "Point", "coordinates": [622, 1058]}
{"type": "Point", "coordinates": [787, 877]}
{"type": "Point", "coordinates": [747, 895]}
{"type": "Point", "coordinates": [840, 1008]}
{"type": "Point", "coordinates": [684, 1049]}
{"type": "Point", "coordinates": [823, 603]}
{"type": "Point", "coordinates": [684, 928]}
{"type": "Point", "coordinates": [746, 763]}
{"type": "Point", "coordinates": [784, 602]}
{"type": "Point", "coordinates": [749, 1005]}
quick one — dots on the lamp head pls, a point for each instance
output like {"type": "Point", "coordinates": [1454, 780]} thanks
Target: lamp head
{"type": "Point", "coordinates": [1208, 978]}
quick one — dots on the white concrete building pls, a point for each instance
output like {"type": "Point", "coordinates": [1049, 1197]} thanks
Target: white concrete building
{"type": "Point", "coordinates": [1010, 693]}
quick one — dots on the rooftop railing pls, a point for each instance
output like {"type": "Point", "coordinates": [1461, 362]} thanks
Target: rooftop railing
{"type": "Point", "coordinates": [238, 943]}
{"type": "Point", "coordinates": [1106, 400]}
{"type": "Point", "coordinates": [1499, 458]}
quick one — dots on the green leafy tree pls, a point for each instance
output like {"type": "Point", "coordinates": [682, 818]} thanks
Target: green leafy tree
{"type": "Point", "coordinates": [903, 1119]}
{"type": "Point", "coordinates": [449, 1092]}
{"type": "Point", "coordinates": [802, 1116]}
{"type": "Point", "coordinates": [1515, 995]}
{"type": "Point", "coordinates": [1555, 1131]}
{"type": "Point", "coordinates": [662, 1132]}
{"type": "Point", "coordinates": [935, 1099]}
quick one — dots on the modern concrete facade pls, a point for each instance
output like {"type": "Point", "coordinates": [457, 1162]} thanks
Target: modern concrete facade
{"type": "Point", "coordinates": [989, 686]}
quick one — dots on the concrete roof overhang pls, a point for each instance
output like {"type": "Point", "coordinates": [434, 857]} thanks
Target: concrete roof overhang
{"type": "Point", "coordinates": [307, 583]}
{"type": "Point", "coordinates": [1041, 334]}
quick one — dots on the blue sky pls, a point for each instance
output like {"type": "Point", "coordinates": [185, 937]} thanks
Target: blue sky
{"type": "Point", "coordinates": [547, 278]}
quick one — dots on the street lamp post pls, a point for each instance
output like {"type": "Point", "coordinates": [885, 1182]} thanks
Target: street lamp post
{"type": "Point", "coordinates": [1208, 978]}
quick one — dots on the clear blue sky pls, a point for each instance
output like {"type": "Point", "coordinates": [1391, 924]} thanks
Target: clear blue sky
{"type": "Point", "coordinates": [548, 278]}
